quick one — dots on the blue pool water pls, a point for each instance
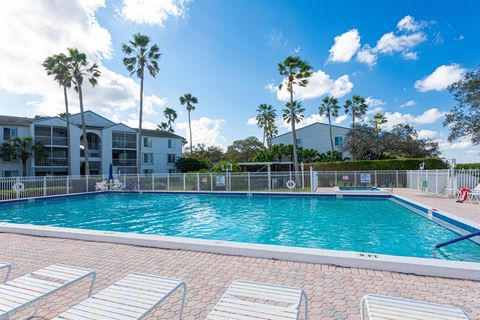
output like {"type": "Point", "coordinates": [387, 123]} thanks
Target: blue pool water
{"type": "Point", "coordinates": [375, 225]}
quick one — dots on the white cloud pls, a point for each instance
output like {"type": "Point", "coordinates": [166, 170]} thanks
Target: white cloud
{"type": "Point", "coordinates": [345, 46]}
{"type": "Point", "coordinates": [340, 119]}
{"type": "Point", "coordinates": [408, 23]}
{"type": "Point", "coordinates": [441, 78]}
{"type": "Point", "coordinates": [154, 12]}
{"type": "Point", "coordinates": [427, 134]}
{"type": "Point", "coordinates": [366, 55]}
{"type": "Point", "coordinates": [428, 117]}
{"type": "Point", "coordinates": [461, 144]}
{"type": "Point", "coordinates": [375, 110]}
{"type": "Point", "coordinates": [204, 130]}
{"type": "Point", "coordinates": [409, 103]}
{"type": "Point", "coordinates": [132, 122]}
{"type": "Point", "coordinates": [372, 102]}
{"type": "Point", "coordinates": [252, 121]}
{"type": "Point", "coordinates": [46, 28]}
{"type": "Point", "coordinates": [319, 84]}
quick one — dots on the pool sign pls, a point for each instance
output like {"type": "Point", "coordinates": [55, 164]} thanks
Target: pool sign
{"type": "Point", "coordinates": [345, 178]}
{"type": "Point", "coordinates": [365, 178]}
{"type": "Point", "coordinates": [220, 181]}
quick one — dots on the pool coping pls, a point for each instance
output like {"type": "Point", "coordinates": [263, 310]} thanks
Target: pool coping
{"type": "Point", "coordinates": [419, 266]}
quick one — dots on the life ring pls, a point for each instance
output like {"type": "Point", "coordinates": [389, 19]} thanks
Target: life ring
{"type": "Point", "coordinates": [18, 186]}
{"type": "Point", "coordinates": [291, 184]}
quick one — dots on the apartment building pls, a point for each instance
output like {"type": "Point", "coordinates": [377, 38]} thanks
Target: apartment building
{"type": "Point", "coordinates": [108, 143]}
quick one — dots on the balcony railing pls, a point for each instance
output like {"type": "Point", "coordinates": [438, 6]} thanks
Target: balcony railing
{"type": "Point", "coordinates": [52, 141]}
{"type": "Point", "coordinates": [53, 162]}
{"type": "Point", "coordinates": [124, 145]}
{"type": "Point", "coordinates": [124, 163]}
{"type": "Point", "coordinates": [92, 153]}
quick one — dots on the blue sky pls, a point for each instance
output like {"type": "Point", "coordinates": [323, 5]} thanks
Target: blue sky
{"type": "Point", "coordinates": [402, 55]}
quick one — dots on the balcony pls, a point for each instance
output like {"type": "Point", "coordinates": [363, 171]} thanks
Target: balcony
{"type": "Point", "coordinates": [92, 153]}
{"type": "Point", "coordinates": [52, 162]}
{"type": "Point", "coordinates": [52, 141]}
{"type": "Point", "coordinates": [124, 163]}
{"type": "Point", "coordinates": [124, 145]}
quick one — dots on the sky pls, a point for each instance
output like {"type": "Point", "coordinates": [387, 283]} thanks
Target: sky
{"type": "Point", "coordinates": [400, 55]}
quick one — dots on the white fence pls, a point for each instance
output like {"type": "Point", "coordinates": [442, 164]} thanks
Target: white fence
{"type": "Point", "coordinates": [441, 182]}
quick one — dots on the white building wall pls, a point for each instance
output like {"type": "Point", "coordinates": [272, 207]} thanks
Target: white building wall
{"type": "Point", "coordinates": [160, 151]}
{"type": "Point", "coordinates": [315, 136]}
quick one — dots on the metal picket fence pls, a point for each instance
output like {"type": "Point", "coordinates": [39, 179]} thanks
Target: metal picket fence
{"type": "Point", "coordinates": [440, 182]}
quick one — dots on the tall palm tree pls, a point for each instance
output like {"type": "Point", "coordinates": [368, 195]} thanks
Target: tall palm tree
{"type": "Point", "coordinates": [189, 101]}
{"type": "Point", "coordinates": [23, 149]}
{"type": "Point", "coordinates": [296, 72]}
{"type": "Point", "coordinates": [356, 107]}
{"type": "Point", "coordinates": [171, 116]}
{"type": "Point", "coordinates": [266, 115]}
{"type": "Point", "coordinates": [162, 126]}
{"type": "Point", "coordinates": [139, 55]}
{"type": "Point", "coordinates": [330, 109]}
{"type": "Point", "coordinates": [80, 68]}
{"type": "Point", "coordinates": [377, 121]}
{"type": "Point", "coordinates": [58, 67]}
{"type": "Point", "coordinates": [293, 114]}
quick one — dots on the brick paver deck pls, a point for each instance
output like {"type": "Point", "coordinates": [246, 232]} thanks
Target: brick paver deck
{"type": "Point", "coordinates": [333, 292]}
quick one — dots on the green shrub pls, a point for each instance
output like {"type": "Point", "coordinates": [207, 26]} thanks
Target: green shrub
{"type": "Point", "coordinates": [187, 164]}
{"type": "Point", "coordinates": [468, 166]}
{"type": "Point", "coordinates": [393, 164]}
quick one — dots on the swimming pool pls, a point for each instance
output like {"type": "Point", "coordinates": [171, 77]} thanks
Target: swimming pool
{"type": "Point", "coordinates": [367, 224]}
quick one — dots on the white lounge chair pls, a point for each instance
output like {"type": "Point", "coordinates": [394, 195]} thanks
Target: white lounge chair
{"type": "Point", "coordinates": [117, 185]}
{"type": "Point", "coordinates": [253, 300]}
{"type": "Point", "coordinates": [21, 292]}
{"type": "Point", "coordinates": [132, 297]}
{"type": "Point", "coordinates": [8, 268]}
{"type": "Point", "coordinates": [474, 194]}
{"type": "Point", "coordinates": [384, 307]}
{"type": "Point", "coordinates": [101, 186]}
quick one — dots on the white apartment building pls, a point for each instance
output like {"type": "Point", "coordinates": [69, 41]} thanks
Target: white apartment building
{"type": "Point", "coordinates": [108, 143]}
{"type": "Point", "coordinates": [316, 136]}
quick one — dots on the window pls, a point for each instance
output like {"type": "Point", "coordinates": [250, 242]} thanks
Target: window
{"type": "Point", "coordinates": [9, 133]}
{"type": "Point", "coordinates": [170, 143]}
{"type": "Point", "coordinates": [171, 158]}
{"type": "Point", "coordinates": [338, 141]}
{"type": "Point", "coordinates": [147, 142]}
{"type": "Point", "coordinates": [148, 171]}
{"type": "Point", "coordinates": [172, 170]}
{"type": "Point", "coordinates": [148, 158]}
{"type": "Point", "coordinates": [10, 173]}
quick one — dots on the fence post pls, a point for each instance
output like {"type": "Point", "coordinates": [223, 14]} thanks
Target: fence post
{"type": "Point", "coordinates": [198, 181]}
{"type": "Point", "coordinates": [184, 182]}
{"type": "Point", "coordinates": [336, 179]}
{"type": "Point", "coordinates": [168, 181]}
{"type": "Point", "coordinates": [248, 180]}
{"type": "Point", "coordinates": [153, 182]}
{"type": "Point", "coordinates": [67, 182]}
{"type": "Point", "coordinates": [269, 178]}
{"type": "Point", "coordinates": [138, 182]}
{"type": "Point", "coordinates": [418, 180]}
{"type": "Point", "coordinates": [303, 176]}
{"type": "Point", "coordinates": [211, 181]}
{"type": "Point", "coordinates": [311, 179]}
{"type": "Point", "coordinates": [355, 178]}
{"type": "Point", "coordinates": [86, 183]}
{"type": "Point", "coordinates": [436, 181]}
{"type": "Point", "coordinates": [376, 179]}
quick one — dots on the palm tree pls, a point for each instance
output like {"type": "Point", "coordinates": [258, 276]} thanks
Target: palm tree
{"type": "Point", "coordinates": [297, 72]}
{"type": "Point", "coordinates": [266, 120]}
{"type": "Point", "coordinates": [356, 107]}
{"type": "Point", "coordinates": [162, 126]}
{"type": "Point", "coordinates": [138, 57]}
{"type": "Point", "coordinates": [171, 116]}
{"type": "Point", "coordinates": [80, 68]}
{"type": "Point", "coordinates": [329, 108]}
{"type": "Point", "coordinates": [58, 67]}
{"type": "Point", "coordinates": [189, 101]}
{"type": "Point", "coordinates": [293, 114]}
{"type": "Point", "coordinates": [377, 121]}
{"type": "Point", "coordinates": [23, 149]}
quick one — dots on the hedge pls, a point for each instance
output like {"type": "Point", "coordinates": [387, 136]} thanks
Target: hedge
{"type": "Point", "coordinates": [392, 164]}
{"type": "Point", "coordinates": [468, 166]}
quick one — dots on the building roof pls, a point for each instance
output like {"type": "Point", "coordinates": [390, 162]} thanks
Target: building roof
{"type": "Point", "coordinates": [15, 121]}
{"type": "Point", "coordinates": [313, 124]}
{"type": "Point", "coordinates": [159, 134]}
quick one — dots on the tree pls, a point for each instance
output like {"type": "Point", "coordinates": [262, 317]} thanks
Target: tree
{"type": "Point", "coordinates": [58, 67]}
{"type": "Point", "coordinates": [377, 121]}
{"type": "Point", "coordinates": [307, 155]}
{"type": "Point", "coordinates": [464, 119]}
{"type": "Point", "coordinates": [189, 102]}
{"type": "Point", "coordinates": [211, 154]}
{"type": "Point", "coordinates": [356, 107]}
{"type": "Point", "coordinates": [266, 116]}
{"type": "Point", "coordinates": [171, 116]}
{"type": "Point", "coordinates": [296, 72]}
{"type": "Point", "coordinates": [23, 149]}
{"type": "Point", "coordinates": [293, 113]}
{"type": "Point", "coordinates": [140, 56]}
{"type": "Point", "coordinates": [80, 68]}
{"type": "Point", "coordinates": [243, 150]}
{"type": "Point", "coordinates": [329, 108]}
{"type": "Point", "coordinates": [189, 164]}
{"type": "Point", "coordinates": [162, 126]}
{"type": "Point", "coordinates": [330, 156]}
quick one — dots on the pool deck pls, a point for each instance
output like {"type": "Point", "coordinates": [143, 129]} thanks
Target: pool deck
{"type": "Point", "coordinates": [333, 292]}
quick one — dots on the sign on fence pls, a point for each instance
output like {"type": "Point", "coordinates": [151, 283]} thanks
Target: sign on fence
{"type": "Point", "coordinates": [365, 178]}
